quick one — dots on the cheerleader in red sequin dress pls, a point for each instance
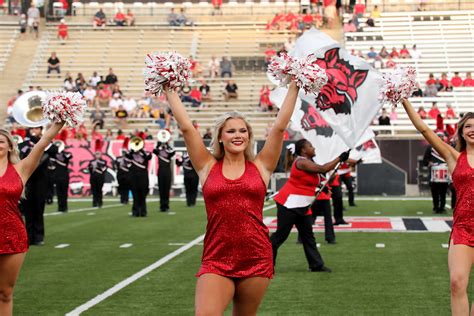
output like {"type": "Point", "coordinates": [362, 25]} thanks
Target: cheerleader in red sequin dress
{"type": "Point", "coordinates": [237, 258]}
{"type": "Point", "coordinates": [13, 238]}
{"type": "Point", "coordinates": [461, 166]}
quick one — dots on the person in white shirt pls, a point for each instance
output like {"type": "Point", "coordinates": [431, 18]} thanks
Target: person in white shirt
{"type": "Point", "coordinates": [94, 79]}
{"type": "Point", "coordinates": [89, 94]}
{"type": "Point", "coordinates": [415, 53]}
{"type": "Point", "coordinates": [130, 105]}
{"type": "Point", "coordinates": [33, 16]}
{"type": "Point", "coordinates": [115, 102]}
{"type": "Point", "coordinates": [213, 66]}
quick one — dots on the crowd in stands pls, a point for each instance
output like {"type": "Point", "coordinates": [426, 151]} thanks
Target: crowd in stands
{"type": "Point", "coordinates": [30, 21]}
{"type": "Point", "coordinates": [295, 22]}
{"type": "Point", "coordinates": [386, 59]}
{"type": "Point", "coordinates": [180, 19]}
{"type": "Point", "coordinates": [434, 85]}
{"type": "Point", "coordinates": [120, 19]}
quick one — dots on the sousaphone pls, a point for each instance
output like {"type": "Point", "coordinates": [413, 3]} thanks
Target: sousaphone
{"type": "Point", "coordinates": [60, 144]}
{"type": "Point", "coordinates": [136, 143]}
{"type": "Point", "coordinates": [163, 135]}
{"type": "Point", "coordinates": [28, 110]}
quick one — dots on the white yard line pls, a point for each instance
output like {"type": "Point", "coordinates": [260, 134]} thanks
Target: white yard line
{"type": "Point", "coordinates": [117, 287]}
{"type": "Point", "coordinates": [82, 210]}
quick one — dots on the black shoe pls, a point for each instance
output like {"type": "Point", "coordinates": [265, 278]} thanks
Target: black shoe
{"type": "Point", "coordinates": [320, 269]}
{"type": "Point", "coordinates": [353, 204]}
{"type": "Point", "coordinates": [342, 222]}
{"type": "Point", "coordinates": [331, 242]}
{"type": "Point", "coordinates": [166, 210]}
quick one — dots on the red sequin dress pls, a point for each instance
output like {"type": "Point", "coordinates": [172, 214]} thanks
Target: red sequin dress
{"type": "Point", "coordinates": [13, 237]}
{"type": "Point", "coordinates": [463, 224]}
{"type": "Point", "coordinates": [237, 244]}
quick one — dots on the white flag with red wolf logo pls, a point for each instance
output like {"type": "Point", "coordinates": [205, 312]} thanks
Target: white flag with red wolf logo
{"type": "Point", "coordinates": [351, 98]}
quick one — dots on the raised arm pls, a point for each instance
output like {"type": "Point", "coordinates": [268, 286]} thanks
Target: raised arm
{"type": "Point", "coordinates": [449, 154]}
{"type": "Point", "coordinates": [28, 165]}
{"type": "Point", "coordinates": [268, 157]}
{"type": "Point", "coordinates": [311, 167]}
{"type": "Point", "coordinates": [200, 157]}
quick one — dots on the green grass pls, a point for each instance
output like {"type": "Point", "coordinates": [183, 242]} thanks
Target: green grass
{"type": "Point", "coordinates": [408, 277]}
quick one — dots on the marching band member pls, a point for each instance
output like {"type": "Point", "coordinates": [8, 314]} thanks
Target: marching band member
{"type": "Point", "coordinates": [97, 168]}
{"type": "Point", "coordinates": [122, 165]}
{"type": "Point", "coordinates": [164, 152]}
{"type": "Point", "coordinates": [138, 176]}
{"type": "Point", "coordinates": [60, 162]}
{"type": "Point", "coordinates": [191, 179]}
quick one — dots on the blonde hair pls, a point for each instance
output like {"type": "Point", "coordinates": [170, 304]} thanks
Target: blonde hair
{"type": "Point", "coordinates": [460, 141]}
{"type": "Point", "coordinates": [14, 154]}
{"type": "Point", "coordinates": [218, 148]}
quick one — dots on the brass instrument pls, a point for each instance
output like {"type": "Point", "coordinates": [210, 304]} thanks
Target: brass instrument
{"type": "Point", "coordinates": [163, 135]}
{"type": "Point", "coordinates": [136, 143]}
{"type": "Point", "coordinates": [28, 110]}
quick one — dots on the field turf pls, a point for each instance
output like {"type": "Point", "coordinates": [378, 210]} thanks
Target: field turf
{"type": "Point", "coordinates": [407, 277]}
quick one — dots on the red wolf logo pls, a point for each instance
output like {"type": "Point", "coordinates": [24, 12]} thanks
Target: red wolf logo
{"type": "Point", "coordinates": [313, 120]}
{"type": "Point", "coordinates": [340, 93]}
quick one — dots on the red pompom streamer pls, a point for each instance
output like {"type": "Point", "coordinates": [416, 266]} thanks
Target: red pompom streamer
{"type": "Point", "coordinates": [68, 107]}
{"type": "Point", "coordinates": [398, 85]}
{"type": "Point", "coordinates": [305, 72]}
{"type": "Point", "coordinates": [165, 68]}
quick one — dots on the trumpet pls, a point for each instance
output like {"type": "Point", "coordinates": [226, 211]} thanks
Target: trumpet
{"type": "Point", "coordinates": [136, 143]}
{"type": "Point", "coordinates": [28, 110]}
{"type": "Point", "coordinates": [60, 144]}
{"type": "Point", "coordinates": [163, 135]}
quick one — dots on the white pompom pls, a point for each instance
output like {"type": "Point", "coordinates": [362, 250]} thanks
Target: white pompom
{"type": "Point", "coordinates": [398, 85]}
{"type": "Point", "coordinates": [305, 72]}
{"type": "Point", "coordinates": [68, 107]}
{"type": "Point", "coordinates": [165, 68]}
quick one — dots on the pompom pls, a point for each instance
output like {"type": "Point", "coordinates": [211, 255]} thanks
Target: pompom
{"type": "Point", "coordinates": [398, 85]}
{"type": "Point", "coordinates": [305, 72]}
{"type": "Point", "coordinates": [165, 68]}
{"type": "Point", "coordinates": [68, 107]}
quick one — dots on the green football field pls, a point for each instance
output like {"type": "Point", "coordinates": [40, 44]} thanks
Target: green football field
{"type": "Point", "coordinates": [99, 248]}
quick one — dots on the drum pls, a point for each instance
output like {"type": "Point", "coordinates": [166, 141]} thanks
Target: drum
{"type": "Point", "coordinates": [439, 173]}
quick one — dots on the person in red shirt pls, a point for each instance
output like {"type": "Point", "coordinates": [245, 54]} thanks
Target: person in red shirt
{"type": "Point", "coordinates": [434, 111]}
{"type": "Point", "coordinates": [216, 4]}
{"type": "Point", "coordinates": [16, 130]}
{"type": "Point", "coordinates": [63, 31]}
{"type": "Point", "coordinates": [394, 53]}
{"type": "Point", "coordinates": [390, 63]}
{"type": "Point", "coordinates": [404, 53]}
{"type": "Point", "coordinates": [468, 82]}
{"type": "Point", "coordinates": [130, 18]}
{"type": "Point", "coordinates": [196, 96]}
{"type": "Point", "coordinates": [308, 19]}
{"type": "Point", "coordinates": [119, 18]}
{"type": "Point", "coordinates": [446, 85]}
{"type": "Point", "coordinates": [456, 81]}
{"type": "Point", "coordinates": [265, 103]}
{"type": "Point", "coordinates": [359, 9]}
{"type": "Point", "coordinates": [422, 112]}
{"type": "Point", "coordinates": [431, 80]}
{"type": "Point", "coordinates": [450, 114]}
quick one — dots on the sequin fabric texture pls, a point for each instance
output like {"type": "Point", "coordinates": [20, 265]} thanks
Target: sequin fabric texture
{"type": "Point", "coordinates": [463, 224]}
{"type": "Point", "coordinates": [13, 237]}
{"type": "Point", "coordinates": [237, 244]}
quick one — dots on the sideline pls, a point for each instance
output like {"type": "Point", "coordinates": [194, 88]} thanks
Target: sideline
{"type": "Point", "coordinates": [101, 297]}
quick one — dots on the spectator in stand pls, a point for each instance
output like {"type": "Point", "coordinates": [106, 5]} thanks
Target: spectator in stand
{"type": "Point", "coordinates": [359, 9]}
{"type": "Point", "coordinates": [265, 103]}
{"type": "Point", "coordinates": [375, 14]}
{"type": "Point", "coordinates": [418, 92]}
{"type": "Point", "coordinates": [120, 135]}
{"type": "Point", "coordinates": [103, 96]}
{"type": "Point", "coordinates": [80, 83]}
{"type": "Point", "coordinates": [115, 103]}
{"type": "Point", "coordinates": [196, 68]}
{"type": "Point", "coordinates": [230, 90]}
{"type": "Point", "coordinates": [182, 19]}
{"type": "Point", "coordinates": [282, 50]}
{"type": "Point", "coordinates": [431, 89]}
{"type": "Point", "coordinates": [456, 81]}
{"type": "Point", "coordinates": [185, 94]}
{"type": "Point", "coordinates": [213, 66]}
{"type": "Point", "coordinates": [23, 24]}
{"type": "Point", "coordinates": [269, 53]}
{"type": "Point", "coordinates": [431, 80]}
{"type": "Point", "coordinates": [226, 67]}
{"type": "Point", "coordinates": [17, 130]}
{"type": "Point", "coordinates": [63, 33]}
{"type": "Point", "coordinates": [119, 18]}
{"type": "Point", "coordinates": [205, 91]}
{"type": "Point", "coordinates": [54, 64]}
{"type": "Point", "coordinates": [173, 18]}
{"type": "Point", "coordinates": [404, 53]}
{"type": "Point", "coordinates": [318, 20]}
{"type": "Point", "coordinates": [216, 7]}
{"type": "Point", "coordinates": [33, 14]}
{"type": "Point", "coordinates": [121, 117]}
{"type": "Point", "coordinates": [289, 44]}
{"type": "Point", "coordinates": [81, 132]}
{"type": "Point", "coordinates": [415, 53]}
{"type": "Point", "coordinates": [372, 54]}
{"type": "Point", "coordinates": [450, 114]}
{"type": "Point", "coordinates": [330, 13]}
{"type": "Point", "coordinates": [384, 53]}
{"type": "Point", "coordinates": [394, 53]}
{"type": "Point", "coordinates": [445, 83]}
{"type": "Point", "coordinates": [308, 19]}
{"type": "Point", "coordinates": [384, 119]}
{"type": "Point", "coordinates": [434, 111]}
{"type": "Point", "coordinates": [111, 78]}
{"type": "Point", "coordinates": [390, 63]}
{"type": "Point", "coordinates": [370, 22]}
{"type": "Point", "coordinates": [130, 105]}
{"type": "Point", "coordinates": [89, 94]}
{"type": "Point", "coordinates": [68, 84]}
{"type": "Point", "coordinates": [130, 18]}
{"type": "Point", "coordinates": [207, 134]}
{"type": "Point", "coordinates": [468, 82]}
{"type": "Point", "coordinates": [116, 89]}
{"type": "Point", "coordinates": [350, 27]}
{"type": "Point", "coordinates": [143, 108]}
{"type": "Point", "coordinates": [94, 79]}
{"type": "Point", "coordinates": [99, 19]}
{"type": "Point", "coordinates": [196, 97]}
{"type": "Point", "coordinates": [393, 114]}
{"type": "Point", "coordinates": [422, 113]}
{"type": "Point", "coordinates": [97, 117]}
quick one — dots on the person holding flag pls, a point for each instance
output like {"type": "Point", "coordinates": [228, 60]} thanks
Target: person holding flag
{"type": "Point", "coordinates": [295, 198]}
